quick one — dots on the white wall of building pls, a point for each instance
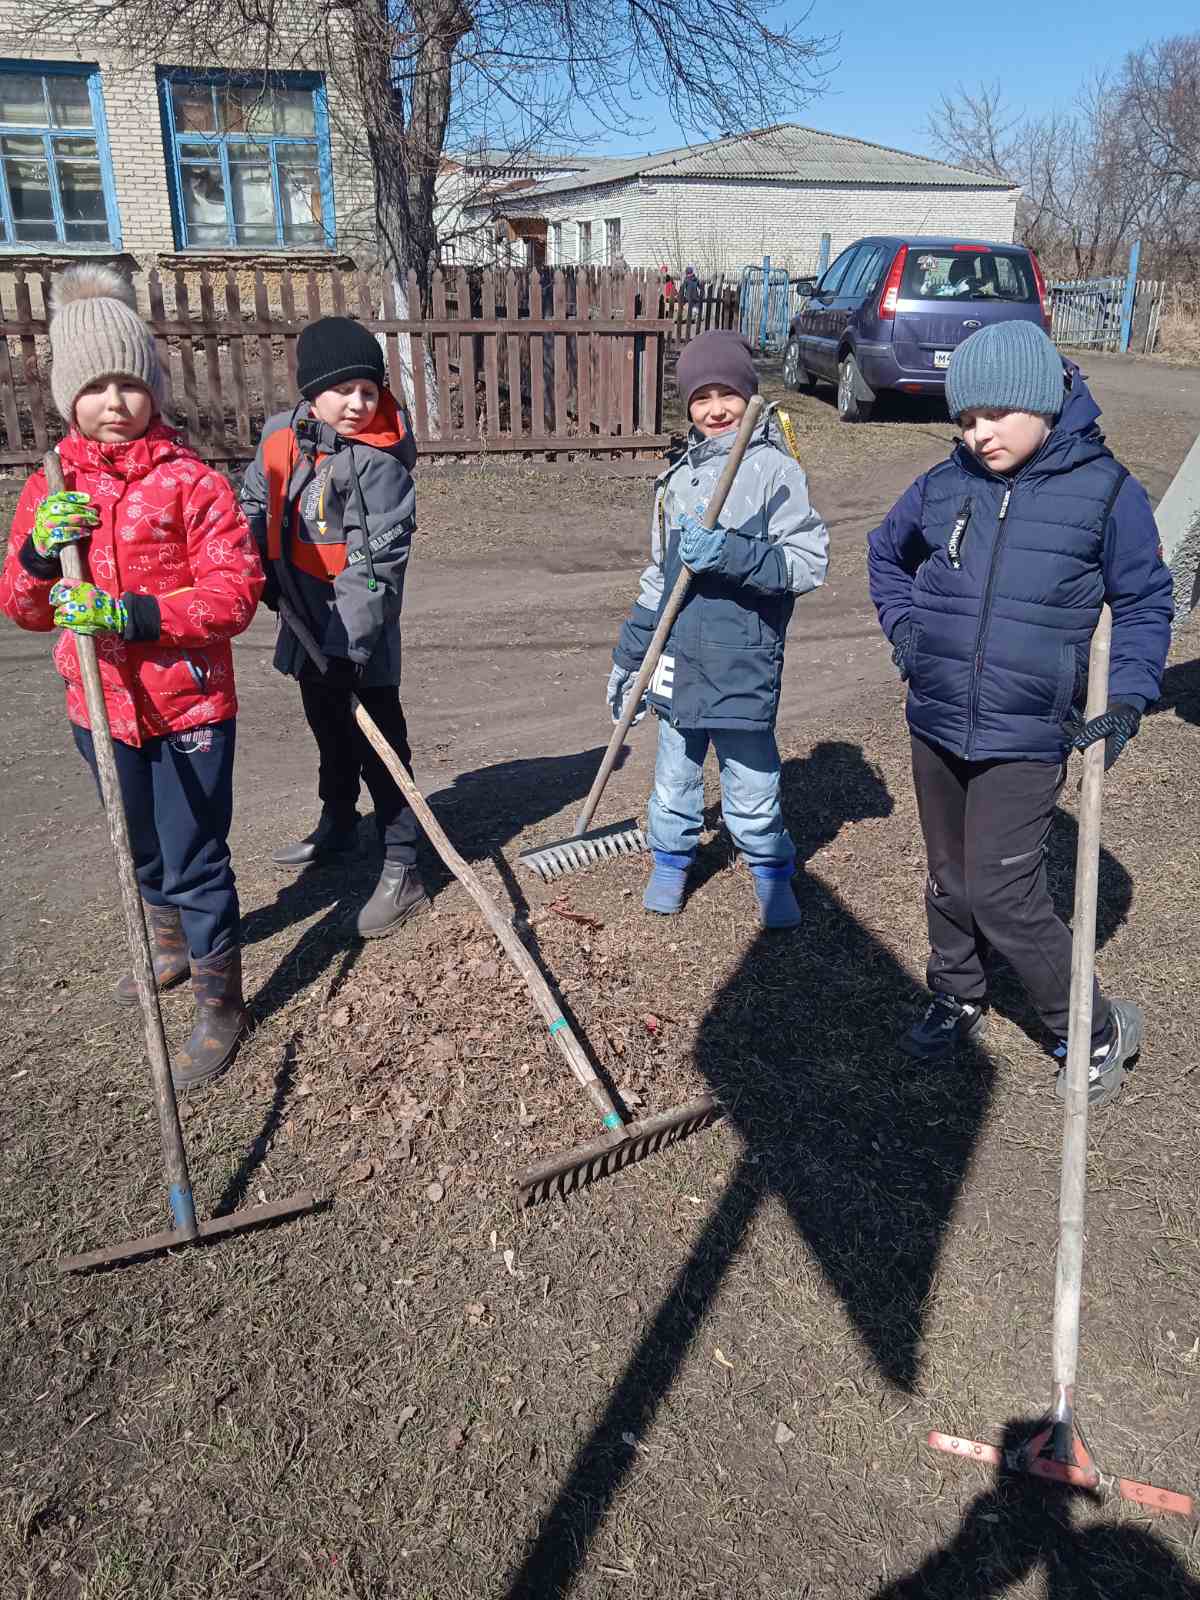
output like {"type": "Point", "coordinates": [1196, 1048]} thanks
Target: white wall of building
{"type": "Point", "coordinates": [719, 226]}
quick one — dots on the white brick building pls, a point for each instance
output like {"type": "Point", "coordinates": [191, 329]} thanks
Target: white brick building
{"type": "Point", "coordinates": [171, 162]}
{"type": "Point", "coordinates": [734, 200]}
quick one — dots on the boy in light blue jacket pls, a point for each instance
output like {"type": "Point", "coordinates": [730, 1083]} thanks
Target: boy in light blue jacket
{"type": "Point", "coordinates": [720, 675]}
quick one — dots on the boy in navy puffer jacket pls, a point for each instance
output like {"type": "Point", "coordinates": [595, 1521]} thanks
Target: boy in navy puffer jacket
{"type": "Point", "coordinates": [989, 575]}
{"type": "Point", "coordinates": [719, 677]}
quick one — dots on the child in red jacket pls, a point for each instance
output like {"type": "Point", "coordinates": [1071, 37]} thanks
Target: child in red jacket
{"type": "Point", "coordinates": [174, 575]}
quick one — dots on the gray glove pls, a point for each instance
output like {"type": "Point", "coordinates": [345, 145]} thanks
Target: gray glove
{"type": "Point", "coordinates": [619, 682]}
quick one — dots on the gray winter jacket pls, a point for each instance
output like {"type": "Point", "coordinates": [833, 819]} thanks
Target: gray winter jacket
{"type": "Point", "coordinates": [357, 615]}
{"type": "Point", "coordinates": [723, 663]}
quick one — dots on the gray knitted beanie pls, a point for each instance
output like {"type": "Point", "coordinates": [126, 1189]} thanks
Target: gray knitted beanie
{"type": "Point", "coordinates": [95, 332]}
{"type": "Point", "coordinates": [719, 356]}
{"type": "Point", "coordinates": [1009, 366]}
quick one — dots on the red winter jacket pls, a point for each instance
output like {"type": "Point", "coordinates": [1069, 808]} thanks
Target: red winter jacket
{"type": "Point", "coordinates": [173, 543]}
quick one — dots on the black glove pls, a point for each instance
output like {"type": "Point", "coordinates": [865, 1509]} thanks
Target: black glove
{"type": "Point", "coordinates": [270, 594]}
{"type": "Point", "coordinates": [1116, 727]}
{"type": "Point", "coordinates": [341, 673]}
{"type": "Point", "coordinates": [900, 649]}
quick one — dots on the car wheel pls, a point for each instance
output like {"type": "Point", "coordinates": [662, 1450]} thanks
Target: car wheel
{"type": "Point", "coordinates": [851, 408]}
{"type": "Point", "coordinates": [795, 374]}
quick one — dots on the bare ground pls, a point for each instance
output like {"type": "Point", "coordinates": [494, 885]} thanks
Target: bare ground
{"type": "Point", "coordinates": [709, 1375]}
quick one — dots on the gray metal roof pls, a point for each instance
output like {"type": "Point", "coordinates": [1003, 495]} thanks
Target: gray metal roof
{"type": "Point", "coordinates": [784, 151]}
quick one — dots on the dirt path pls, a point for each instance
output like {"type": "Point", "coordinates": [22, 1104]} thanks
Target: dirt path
{"type": "Point", "coordinates": [710, 1376]}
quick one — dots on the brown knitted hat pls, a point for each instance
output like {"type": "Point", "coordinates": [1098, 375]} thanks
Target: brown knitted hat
{"type": "Point", "coordinates": [95, 332]}
{"type": "Point", "coordinates": [719, 356]}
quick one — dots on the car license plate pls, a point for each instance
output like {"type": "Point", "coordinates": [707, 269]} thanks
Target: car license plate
{"type": "Point", "coordinates": [941, 358]}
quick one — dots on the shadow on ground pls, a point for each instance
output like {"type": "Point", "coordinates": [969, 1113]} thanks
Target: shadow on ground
{"type": "Point", "coordinates": [868, 1155]}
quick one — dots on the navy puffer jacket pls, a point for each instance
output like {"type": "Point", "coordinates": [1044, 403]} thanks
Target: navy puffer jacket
{"type": "Point", "coordinates": [992, 588]}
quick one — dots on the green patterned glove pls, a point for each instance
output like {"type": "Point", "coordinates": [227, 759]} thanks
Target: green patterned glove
{"type": "Point", "coordinates": [61, 519]}
{"type": "Point", "coordinates": [86, 609]}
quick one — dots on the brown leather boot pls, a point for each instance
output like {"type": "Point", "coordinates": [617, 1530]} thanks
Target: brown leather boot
{"type": "Point", "coordinates": [168, 951]}
{"type": "Point", "coordinates": [221, 1020]}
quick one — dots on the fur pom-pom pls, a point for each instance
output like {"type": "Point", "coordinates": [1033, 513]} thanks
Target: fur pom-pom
{"type": "Point", "coordinates": [91, 283]}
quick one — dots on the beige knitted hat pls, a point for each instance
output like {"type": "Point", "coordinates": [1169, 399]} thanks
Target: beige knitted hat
{"type": "Point", "coordinates": [95, 332]}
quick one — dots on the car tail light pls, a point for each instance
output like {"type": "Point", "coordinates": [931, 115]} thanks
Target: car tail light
{"type": "Point", "coordinates": [891, 287]}
{"type": "Point", "coordinates": [973, 249]}
{"type": "Point", "coordinates": [1040, 283]}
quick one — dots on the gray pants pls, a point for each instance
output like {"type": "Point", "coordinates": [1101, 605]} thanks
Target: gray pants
{"type": "Point", "coordinates": [985, 825]}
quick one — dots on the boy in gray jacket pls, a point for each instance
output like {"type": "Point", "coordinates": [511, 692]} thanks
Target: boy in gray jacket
{"type": "Point", "coordinates": [330, 501]}
{"type": "Point", "coordinates": [721, 672]}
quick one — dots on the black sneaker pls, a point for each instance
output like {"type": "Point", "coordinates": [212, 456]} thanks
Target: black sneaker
{"type": "Point", "coordinates": [1106, 1070]}
{"type": "Point", "coordinates": [948, 1022]}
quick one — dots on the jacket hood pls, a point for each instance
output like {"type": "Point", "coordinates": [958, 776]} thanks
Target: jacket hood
{"type": "Point", "coordinates": [387, 432]}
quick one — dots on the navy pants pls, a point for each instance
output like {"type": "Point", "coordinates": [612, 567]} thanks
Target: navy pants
{"type": "Point", "coordinates": [347, 757]}
{"type": "Point", "coordinates": [178, 795]}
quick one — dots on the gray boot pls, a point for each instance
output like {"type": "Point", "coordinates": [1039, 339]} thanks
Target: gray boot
{"type": "Point", "coordinates": [168, 951]}
{"type": "Point", "coordinates": [398, 895]}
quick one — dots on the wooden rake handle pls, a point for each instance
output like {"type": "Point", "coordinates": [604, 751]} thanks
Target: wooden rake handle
{"type": "Point", "coordinates": [670, 611]}
{"type": "Point", "coordinates": [501, 926]}
{"type": "Point", "coordinates": [179, 1185]}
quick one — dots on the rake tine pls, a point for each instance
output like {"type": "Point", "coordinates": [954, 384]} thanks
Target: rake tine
{"type": "Point", "coordinates": [572, 1170]}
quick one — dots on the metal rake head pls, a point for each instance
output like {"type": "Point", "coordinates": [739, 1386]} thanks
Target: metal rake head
{"type": "Point", "coordinates": [575, 1169]}
{"type": "Point", "coordinates": [555, 860]}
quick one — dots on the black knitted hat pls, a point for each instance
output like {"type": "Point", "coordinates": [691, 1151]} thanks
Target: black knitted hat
{"type": "Point", "coordinates": [721, 356]}
{"type": "Point", "coordinates": [336, 350]}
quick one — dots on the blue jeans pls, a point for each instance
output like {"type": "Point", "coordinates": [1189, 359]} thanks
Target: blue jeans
{"type": "Point", "coordinates": [178, 795]}
{"type": "Point", "coordinates": [749, 767]}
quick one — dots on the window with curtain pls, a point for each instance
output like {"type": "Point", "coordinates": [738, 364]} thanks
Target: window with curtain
{"type": "Point", "coordinates": [250, 161]}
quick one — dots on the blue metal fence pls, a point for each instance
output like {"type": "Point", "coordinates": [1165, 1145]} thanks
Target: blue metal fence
{"type": "Point", "coordinates": [768, 300]}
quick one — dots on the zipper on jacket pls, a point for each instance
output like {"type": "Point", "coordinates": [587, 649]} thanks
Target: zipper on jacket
{"type": "Point", "coordinates": [984, 617]}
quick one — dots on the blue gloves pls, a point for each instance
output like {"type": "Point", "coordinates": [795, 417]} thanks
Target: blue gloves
{"type": "Point", "coordinates": [700, 548]}
{"type": "Point", "coordinates": [618, 685]}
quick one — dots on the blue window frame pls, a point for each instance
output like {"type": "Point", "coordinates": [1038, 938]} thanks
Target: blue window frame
{"type": "Point", "coordinates": [248, 160]}
{"type": "Point", "coordinates": [56, 188]}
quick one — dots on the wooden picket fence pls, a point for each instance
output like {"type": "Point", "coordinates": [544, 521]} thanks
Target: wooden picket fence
{"type": "Point", "coordinates": [560, 363]}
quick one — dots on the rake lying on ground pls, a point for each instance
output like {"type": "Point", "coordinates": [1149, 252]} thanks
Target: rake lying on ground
{"type": "Point", "coordinates": [622, 1143]}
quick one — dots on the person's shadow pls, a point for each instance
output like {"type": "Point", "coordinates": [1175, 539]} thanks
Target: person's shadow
{"type": "Point", "coordinates": [1180, 692]}
{"type": "Point", "coordinates": [867, 1154]}
{"type": "Point", "coordinates": [1020, 1524]}
{"type": "Point", "coordinates": [867, 1151]}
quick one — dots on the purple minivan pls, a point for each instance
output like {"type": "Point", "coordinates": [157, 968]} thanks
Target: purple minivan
{"type": "Point", "coordinates": [888, 313]}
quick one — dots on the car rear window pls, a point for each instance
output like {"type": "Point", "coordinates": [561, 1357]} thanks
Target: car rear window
{"type": "Point", "coordinates": [967, 275]}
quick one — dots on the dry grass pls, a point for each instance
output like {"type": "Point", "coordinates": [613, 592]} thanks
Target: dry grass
{"type": "Point", "coordinates": [1179, 337]}
{"type": "Point", "coordinates": [423, 1392]}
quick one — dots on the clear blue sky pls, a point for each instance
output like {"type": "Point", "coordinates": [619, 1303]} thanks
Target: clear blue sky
{"type": "Point", "coordinates": [894, 60]}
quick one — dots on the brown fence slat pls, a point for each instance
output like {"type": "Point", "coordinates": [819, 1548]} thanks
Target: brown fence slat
{"type": "Point", "coordinates": [441, 359]}
{"type": "Point", "coordinates": [647, 419]}
{"type": "Point", "coordinates": [366, 300]}
{"type": "Point", "coordinates": [29, 366]}
{"type": "Point", "coordinates": [516, 406]}
{"type": "Point", "coordinates": [339, 293]}
{"type": "Point", "coordinates": [287, 299]}
{"type": "Point", "coordinates": [420, 362]}
{"type": "Point", "coordinates": [491, 350]}
{"type": "Point", "coordinates": [312, 294]}
{"type": "Point", "coordinates": [187, 361]}
{"type": "Point", "coordinates": [266, 354]}
{"type": "Point", "coordinates": [237, 360]}
{"type": "Point", "coordinates": [212, 363]}
{"type": "Point", "coordinates": [537, 360]}
{"type": "Point", "coordinates": [466, 360]}
{"type": "Point", "coordinates": [583, 355]}
{"type": "Point", "coordinates": [154, 297]}
{"type": "Point", "coordinates": [629, 354]}
{"type": "Point", "coordinates": [8, 394]}
{"type": "Point", "coordinates": [562, 372]}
